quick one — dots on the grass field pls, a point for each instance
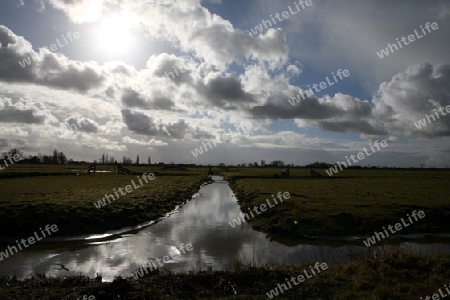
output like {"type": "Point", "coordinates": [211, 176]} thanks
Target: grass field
{"type": "Point", "coordinates": [349, 203]}
{"type": "Point", "coordinates": [28, 203]}
{"type": "Point", "coordinates": [352, 202]}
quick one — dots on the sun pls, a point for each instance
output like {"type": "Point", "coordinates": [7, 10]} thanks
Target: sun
{"type": "Point", "coordinates": [114, 34]}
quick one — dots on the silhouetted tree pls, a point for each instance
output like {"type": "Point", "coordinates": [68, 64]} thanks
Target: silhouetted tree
{"type": "Point", "coordinates": [47, 159]}
{"type": "Point", "coordinates": [126, 160]}
{"type": "Point", "coordinates": [55, 157]}
{"type": "Point", "coordinates": [62, 158]}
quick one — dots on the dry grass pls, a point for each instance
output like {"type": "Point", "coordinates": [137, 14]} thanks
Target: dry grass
{"type": "Point", "coordinates": [28, 203]}
{"type": "Point", "coordinates": [355, 202]}
{"type": "Point", "coordinates": [392, 274]}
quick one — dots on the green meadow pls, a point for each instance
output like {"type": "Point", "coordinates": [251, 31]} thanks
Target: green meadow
{"type": "Point", "coordinates": [350, 203]}
{"type": "Point", "coordinates": [353, 202]}
{"type": "Point", "coordinates": [35, 195]}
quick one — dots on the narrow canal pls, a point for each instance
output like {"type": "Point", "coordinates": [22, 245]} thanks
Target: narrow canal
{"type": "Point", "coordinates": [202, 222]}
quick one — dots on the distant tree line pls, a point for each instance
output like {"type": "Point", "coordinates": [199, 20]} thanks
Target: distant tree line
{"type": "Point", "coordinates": [61, 158]}
{"type": "Point", "coordinates": [56, 158]}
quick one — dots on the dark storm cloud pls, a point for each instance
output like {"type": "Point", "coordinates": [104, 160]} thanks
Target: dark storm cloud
{"type": "Point", "coordinates": [20, 116]}
{"type": "Point", "coordinates": [133, 99]}
{"type": "Point", "coordinates": [351, 126]}
{"type": "Point", "coordinates": [19, 111]}
{"type": "Point", "coordinates": [140, 123]}
{"type": "Point", "coordinates": [10, 70]}
{"type": "Point", "coordinates": [145, 125]}
{"type": "Point", "coordinates": [226, 93]}
{"type": "Point", "coordinates": [310, 108]}
{"type": "Point", "coordinates": [342, 113]}
{"type": "Point", "coordinates": [177, 130]}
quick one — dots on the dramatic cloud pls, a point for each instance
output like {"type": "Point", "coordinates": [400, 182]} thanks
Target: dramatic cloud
{"type": "Point", "coordinates": [193, 71]}
{"type": "Point", "coordinates": [140, 123]}
{"type": "Point", "coordinates": [133, 99]}
{"type": "Point", "coordinates": [191, 25]}
{"type": "Point", "coordinates": [82, 124]}
{"type": "Point", "coordinates": [19, 63]}
{"type": "Point", "coordinates": [21, 111]}
{"type": "Point", "coordinates": [411, 95]}
{"type": "Point", "coordinates": [225, 92]}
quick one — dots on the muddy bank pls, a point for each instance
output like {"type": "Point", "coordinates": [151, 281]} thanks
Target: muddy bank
{"type": "Point", "coordinates": [391, 275]}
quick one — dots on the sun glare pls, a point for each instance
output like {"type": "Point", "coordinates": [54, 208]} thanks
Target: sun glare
{"type": "Point", "coordinates": [115, 35]}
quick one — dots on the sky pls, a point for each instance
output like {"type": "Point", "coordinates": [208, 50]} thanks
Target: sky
{"type": "Point", "coordinates": [297, 81]}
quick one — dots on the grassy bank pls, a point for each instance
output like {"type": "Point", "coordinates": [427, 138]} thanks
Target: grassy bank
{"type": "Point", "coordinates": [354, 202]}
{"type": "Point", "coordinates": [28, 203]}
{"type": "Point", "coordinates": [392, 275]}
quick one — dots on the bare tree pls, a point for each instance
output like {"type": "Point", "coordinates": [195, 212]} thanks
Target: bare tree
{"type": "Point", "coordinates": [55, 157]}
{"type": "Point", "coordinates": [62, 158]}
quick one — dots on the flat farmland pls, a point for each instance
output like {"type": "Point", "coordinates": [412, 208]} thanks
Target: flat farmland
{"type": "Point", "coordinates": [350, 203]}
{"type": "Point", "coordinates": [27, 203]}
